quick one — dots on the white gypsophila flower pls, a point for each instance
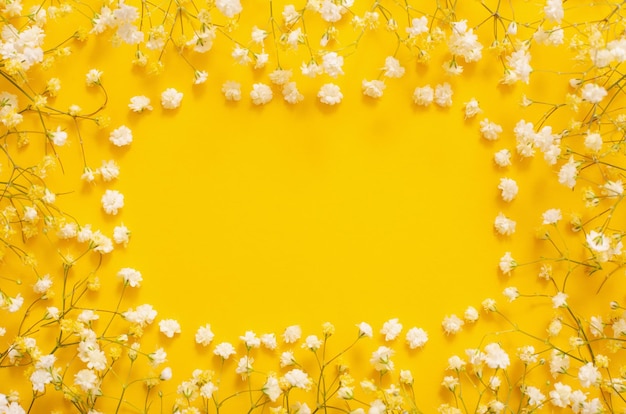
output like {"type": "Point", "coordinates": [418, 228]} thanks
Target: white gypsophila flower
{"type": "Point", "coordinates": [286, 359]}
{"type": "Point", "coordinates": [452, 324]}
{"type": "Point", "coordinates": [455, 363]}
{"type": "Point", "coordinates": [597, 241]}
{"type": "Point", "coordinates": [312, 343]}
{"type": "Point", "coordinates": [495, 357]}
{"type": "Point", "coordinates": [507, 263]}
{"type": "Point", "coordinates": [568, 173]}
{"type": "Point", "coordinates": [261, 94]}
{"type": "Point", "coordinates": [260, 60]}
{"type": "Point", "coordinates": [298, 379]}
{"type": "Point", "coordinates": [391, 329]}
{"type": "Point", "coordinates": [551, 216]}
{"type": "Point", "coordinates": [593, 93]}
{"type": "Point", "coordinates": [224, 350]}
{"type": "Point", "coordinates": [464, 42]}
{"type": "Point", "coordinates": [504, 225]}
{"type": "Point", "coordinates": [527, 354]}
{"type": "Point", "coordinates": [517, 67]}
{"type": "Point", "coordinates": [423, 96]}
{"type": "Point", "coordinates": [43, 284]}
{"type": "Point", "coordinates": [143, 315]}
{"type": "Point", "coordinates": [93, 77]}
{"type": "Point", "coordinates": [392, 68]}
{"type": "Point", "coordinates": [332, 64]}
{"type": "Point", "coordinates": [109, 170]}
{"type": "Point", "coordinates": [292, 334]}
{"type": "Point", "coordinates": [121, 235]}
{"type": "Point", "coordinates": [250, 339]}
{"type": "Point", "coordinates": [200, 77]}
{"type": "Point", "coordinates": [416, 337]}
{"type": "Point", "coordinates": [330, 94]}
{"type": "Point", "coordinates": [511, 293]}
{"type": "Point", "coordinates": [311, 69]}
{"type": "Point", "coordinates": [271, 388]}
{"type": "Point", "coordinates": [130, 276]}
{"type": "Point", "coordinates": [169, 327]}
{"type": "Point", "coordinates": [87, 380]}
{"type": "Point", "coordinates": [112, 201]}
{"type": "Point", "coordinates": [258, 35]}
{"type": "Point", "coordinates": [502, 158]}
{"type": "Point", "coordinates": [490, 130]}
{"type": "Point", "coordinates": [121, 136]}
{"type": "Point", "coordinates": [559, 300]}
{"type": "Point", "coordinates": [229, 8]}
{"type": "Point", "coordinates": [171, 98]}
{"type": "Point", "coordinates": [593, 141]}
{"type": "Point", "coordinates": [589, 375]}
{"type": "Point", "coordinates": [381, 359]}
{"type": "Point", "coordinates": [291, 94]}
{"type": "Point", "coordinates": [443, 95]}
{"type": "Point", "coordinates": [58, 137]}
{"type": "Point", "coordinates": [471, 314]}
{"type": "Point", "coordinates": [166, 374]}
{"type": "Point", "coordinates": [204, 335]}
{"type": "Point", "coordinates": [139, 103]}
{"type": "Point", "coordinates": [280, 76]}
{"type": "Point", "coordinates": [244, 366]}
{"type": "Point", "coordinates": [418, 26]}
{"type": "Point", "coordinates": [365, 329]}
{"type": "Point", "coordinates": [596, 326]}
{"type": "Point", "coordinates": [471, 108]}
{"type": "Point", "coordinates": [231, 91]}
{"type": "Point", "coordinates": [269, 341]}
{"type": "Point", "coordinates": [373, 88]}
{"type": "Point", "coordinates": [535, 397]}
{"type": "Point", "coordinates": [554, 10]}
{"type": "Point", "coordinates": [157, 357]}
{"type": "Point", "coordinates": [508, 188]}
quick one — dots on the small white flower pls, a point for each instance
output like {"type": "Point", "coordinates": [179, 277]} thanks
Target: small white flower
{"type": "Point", "coordinates": [423, 96]}
{"type": "Point", "coordinates": [112, 201]}
{"type": "Point", "coordinates": [593, 93]}
{"type": "Point", "coordinates": [292, 334]}
{"type": "Point", "coordinates": [471, 314]}
{"type": "Point", "coordinates": [559, 300]}
{"type": "Point", "coordinates": [443, 95]}
{"type": "Point", "coordinates": [139, 104]}
{"type": "Point", "coordinates": [452, 324]}
{"type": "Point", "coordinates": [508, 188]}
{"type": "Point", "coordinates": [504, 225]}
{"type": "Point", "coordinates": [121, 136]}
{"type": "Point", "coordinates": [130, 276]}
{"type": "Point", "coordinates": [416, 338]}
{"type": "Point", "coordinates": [373, 88]}
{"type": "Point", "coordinates": [171, 98]}
{"type": "Point", "coordinates": [204, 335]}
{"type": "Point", "coordinates": [93, 77]}
{"type": "Point", "coordinates": [58, 137]}
{"type": "Point", "coordinates": [511, 293]}
{"type": "Point", "coordinates": [365, 329]}
{"type": "Point", "coordinates": [392, 68]}
{"type": "Point", "coordinates": [551, 216]}
{"type": "Point", "coordinates": [169, 327]}
{"type": "Point", "coordinates": [166, 374]}
{"type": "Point", "coordinates": [502, 158]}
{"type": "Point", "coordinates": [330, 94]}
{"type": "Point", "coordinates": [490, 130]}
{"type": "Point", "coordinates": [472, 108]}
{"type": "Point", "coordinates": [261, 94]}
{"type": "Point", "coordinates": [507, 263]}
{"type": "Point", "coordinates": [391, 329]}
{"type": "Point", "coordinates": [231, 91]}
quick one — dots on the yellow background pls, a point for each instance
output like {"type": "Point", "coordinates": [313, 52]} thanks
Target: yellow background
{"type": "Point", "coordinates": [256, 218]}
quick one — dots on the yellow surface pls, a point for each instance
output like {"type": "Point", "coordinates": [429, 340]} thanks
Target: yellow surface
{"type": "Point", "coordinates": [257, 218]}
